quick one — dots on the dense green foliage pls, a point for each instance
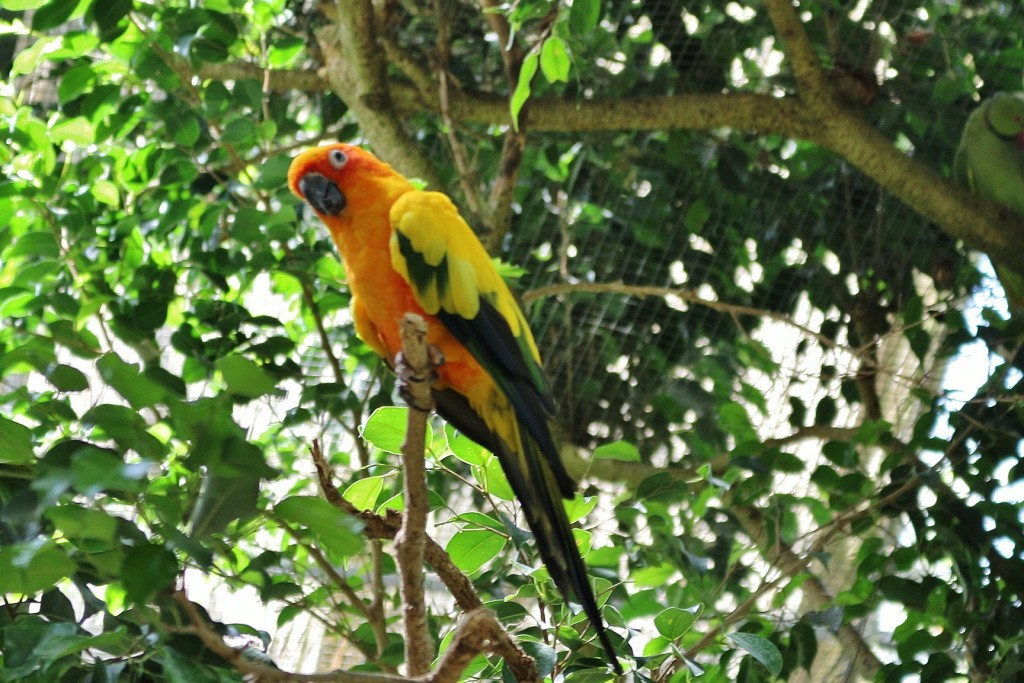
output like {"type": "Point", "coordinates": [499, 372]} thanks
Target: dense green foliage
{"type": "Point", "coordinates": [780, 477]}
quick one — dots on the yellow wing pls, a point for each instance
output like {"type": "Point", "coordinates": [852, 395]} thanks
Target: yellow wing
{"type": "Point", "coordinates": [452, 276]}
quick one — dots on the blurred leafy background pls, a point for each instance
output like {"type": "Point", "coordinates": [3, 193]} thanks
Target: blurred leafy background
{"type": "Point", "coordinates": [799, 458]}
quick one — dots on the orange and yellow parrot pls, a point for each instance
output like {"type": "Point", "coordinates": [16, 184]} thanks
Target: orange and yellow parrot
{"type": "Point", "coordinates": [406, 250]}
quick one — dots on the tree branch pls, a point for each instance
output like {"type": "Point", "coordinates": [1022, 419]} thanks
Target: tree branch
{"type": "Point", "coordinates": [499, 218]}
{"type": "Point", "coordinates": [416, 376]}
{"type": "Point", "coordinates": [983, 224]}
{"type": "Point", "coordinates": [276, 80]}
{"type": "Point", "coordinates": [686, 295]}
{"type": "Point", "coordinates": [811, 79]}
{"type": "Point", "coordinates": [497, 639]}
{"type": "Point", "coordinates": [478, 632]}
{"type": "Point", "coordinates": [356, 69]}
{"type": "Point", "coordinates": [377, 527]}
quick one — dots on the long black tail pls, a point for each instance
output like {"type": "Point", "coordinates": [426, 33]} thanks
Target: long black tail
{"type": "Point", "coordinates": [538, 478]}
{"type": "Point", "coordinates": [540, 494]}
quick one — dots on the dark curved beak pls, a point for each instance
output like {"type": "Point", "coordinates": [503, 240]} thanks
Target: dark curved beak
{"type": "Point", "coordinates": [322, 194]}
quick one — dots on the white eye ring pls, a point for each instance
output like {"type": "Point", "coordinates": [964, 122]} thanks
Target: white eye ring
{"type": "Point", "coordinates": [337, 158]}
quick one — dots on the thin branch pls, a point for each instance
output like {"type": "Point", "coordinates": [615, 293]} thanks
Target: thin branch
{"type": "Point", "coordinates": [375, 610]}
{"type": "Point", "coordinates": [325, 340]}
{"type": "Point", "coordinates": [781, 555]}
{"type": "Point", "coordinates": [511, 53]}
{"type": "Point", "coordinates": [479, 631]}
{"type": "Point", "coordinates": [416, 376]}
{"type": "Point", "coordinates": [275, 80]}
{"type": "Point", "coordinates": [499, 204]}
{"type": "Point", "coordinates": [467, 175]}
{"type": "Point", "coordinates": [386, 528]}
{"type": "Point", "coordinates": [265, 673]}
{"type": "Point", "coordinates": [328, 568]}
{"type": "Point", "coordinates": [686, 295]}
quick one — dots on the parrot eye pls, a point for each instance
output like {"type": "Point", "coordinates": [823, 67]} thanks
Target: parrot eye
{"type": "Point", "coordinates": [337, 158]}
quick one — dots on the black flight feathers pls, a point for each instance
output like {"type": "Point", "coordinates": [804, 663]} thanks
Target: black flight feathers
{"type": "Point", "coordinates": [533, 467]}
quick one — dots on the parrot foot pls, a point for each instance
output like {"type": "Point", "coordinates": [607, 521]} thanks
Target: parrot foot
{"type": "Point", "coordinates": [410, 380]}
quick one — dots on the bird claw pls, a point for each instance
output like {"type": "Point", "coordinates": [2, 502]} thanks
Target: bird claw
{"type": "Point", "coordinates": [409, 379]}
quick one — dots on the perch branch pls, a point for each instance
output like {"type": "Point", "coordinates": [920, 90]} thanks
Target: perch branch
{"type": "Point", "coordinates": [416, 375]}
{"type": "Point", "coordinates": [488, 632]}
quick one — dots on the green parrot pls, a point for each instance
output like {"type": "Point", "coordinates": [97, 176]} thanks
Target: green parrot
{"type": "Point", "coordinates": [990, 161]}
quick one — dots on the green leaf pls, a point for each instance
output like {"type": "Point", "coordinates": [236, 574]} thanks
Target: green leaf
{"type": "Point", "coordinates": [479, 520]}
{"type": "Point", "coordinates": [284, 51]}
{"type": "Point", "coordinates": [67, 378]}
{"type": "Point", "coordinates": [733, 419]}
{"type": "Point", "coordinates": [21, 5]}
{"type": "Point", "coordinates": [471, 549]}
{"type": "Point", "coordinates": [126, 427]}
{"type": "Point", "coordinates": [148, 569]}
{"type": "Point", "coordinates": [244, 377]}
{"type": "Point", "coordinates": [106, 192]}
{"type": "Point", "coordinates": [364, 493]}
{"type": "Point", "coordinates": [697, 215]}
{"type": "Point", "coordinates": [337, 532]}
{"type": "Point", "coordinates": [522, 92]}
{"type": "Point", "coordinates": [584, 16]}
{"type": "Point", "coordinates": [34, 244]}
{"type": "Point", "coordinates": [53, 14]}
{"type": "Point", "coordinates": [224, 499]}
{"type": "Point", "coordinates": [78, 130]}
{"type": "Point", "coordinates": [90, 530]}
{"type": "Point", "coordinates": [98, 469]}
{"type": "Point", "coordinates": [493, 480]}
{"type": "Point", "coordinates": [385, 429]}
{"type": "Point", "coordinates": [654, 575]}
{"type": "Point", "coordinates": [125, 378]}
{"type": "Point", "coordinates": [579, 507]}
{"type": "Point", "coordinates": [554, 60]}
{"type": "Point", "coordinates": [108, 15]}
{"type": "Point", "coordinates": [464, 448]}
{"type": "Point", "coordinates": [219, 27]}
{"type": "Point", "coordinates": [28, 568]}
{"type": "Point", "coordinates": [76, 82]}
{"type": "Point", "coordinates": [241, 131]}
{"type": "Point", "coordinates": [15, 443]}
{"type": "Point", "coordinates": [674, 622]}
{"type": "Point", "coordinates": [761, 649]}
{"type": "Point", "coordinates": [186, 132]}
{"type": "Point", "coordinates": [206, 50]}
{"type": "Point", "coordinates": [57, 647]}
{"type": "Point", "coordinates": [617, 450]}
{"type": "Point", "coordinates": [183, 668]}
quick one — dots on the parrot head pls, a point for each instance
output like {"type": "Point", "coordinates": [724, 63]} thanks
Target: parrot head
{"type": "Point", "coordinates": [1005, 116]}
{"type": "Point", "coordinates": [327, 177]}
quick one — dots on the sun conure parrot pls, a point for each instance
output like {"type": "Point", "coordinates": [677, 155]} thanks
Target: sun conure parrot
{"type": "Point", "coordinates": [407, 250]}
{"type": "Point", "coordinates": [990, 161]}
